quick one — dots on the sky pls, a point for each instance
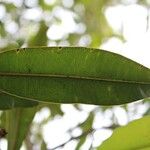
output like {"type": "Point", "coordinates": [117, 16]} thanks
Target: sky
{"type": "Point", "coordinates": [133, 22]}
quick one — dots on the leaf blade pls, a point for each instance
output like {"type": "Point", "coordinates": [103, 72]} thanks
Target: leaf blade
{"type": "Point", "coordinates": [19, 121]}
{"type": "Point", "coordinates": [72, 75]}
{"type": "Point", "coordinates": [135, 135]}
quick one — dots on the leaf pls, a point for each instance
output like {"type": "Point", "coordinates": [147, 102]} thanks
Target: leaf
{"type": "Point", "coordinates": [43, 145]}
{"type": "Point", "coordinates": [81, 142]}
{"type": "Point", "coordinates": [2, 30]}
{"type": "Point", "coordinates": [86, 127]}
{"type": "Point", "coordinates": [40, 38]}
{"type": "Point", "coordinates": [70, 75]}
{"type": "Point", "coordinates": [18, 122]}
{"type": "Point", "coordinates": [95, 21]}
{"type": "Point", "coordinates": [134, 136]}
{"type": "Point", "coordinates": [87, 124]}
{"type": "Point", "coordinates": [7, 101]}
{"type": "Point", "coordinates": [45, 6]}
{"type": "Point", "coordinates": [55, 109]}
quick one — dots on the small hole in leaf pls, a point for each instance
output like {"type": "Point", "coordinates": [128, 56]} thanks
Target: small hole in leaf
{"type": "Point", "coordinates": [17, 51]}
{"type": "Point", "coordinates": [29, 70]}
{"type": "Point", "coordinates": [60, 48]}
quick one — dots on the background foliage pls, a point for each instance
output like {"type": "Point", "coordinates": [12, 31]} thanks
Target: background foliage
{"type": "Point", "coordinates": [25, 23]}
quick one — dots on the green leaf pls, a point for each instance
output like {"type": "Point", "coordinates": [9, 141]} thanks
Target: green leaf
{"type": "Point", "coordinates": [87, 124]}
{"type": "Point", "coordinates": [95, 21]}
{"type": "Point", "coordinates": [18, 122]}
{"type": "Point", "coordinates": [81, 142]}
{"type": "Point", "coordinates": [86, 127]}
{"type": "Point", "coordinates": [70, 75]}
{"type": "Point", "coordinates": [8, 101]}
{"type": "Point", "coordinates": [134, 136]}
{"type": "Point", "coordinates": [55, 109]}
{"type": "Point", "coordinates": [43, 145]}
{"type": "Point", "coordinates": [45, 6]}
{"type": "Point", "coordinates": [2, 30]}
{"type": "Point", "coordinates": [40, 38]}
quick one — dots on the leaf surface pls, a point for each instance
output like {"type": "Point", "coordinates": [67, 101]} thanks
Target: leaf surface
{"type": "Point", "coordinates": [19, 121]}
{"type": "Point", "coordinates": [134, 136]}
{"type": "Point", "coordinates": [70, 75]}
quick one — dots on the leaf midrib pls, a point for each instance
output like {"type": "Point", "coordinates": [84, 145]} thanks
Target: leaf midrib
{"type": "Point", "coordinates": [72, 77]}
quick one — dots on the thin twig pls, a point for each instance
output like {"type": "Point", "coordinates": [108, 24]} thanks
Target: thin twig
{"type": "Point", "coordinates": [73, 138]}
{"type": "Point", "coordinates": [82, 135]}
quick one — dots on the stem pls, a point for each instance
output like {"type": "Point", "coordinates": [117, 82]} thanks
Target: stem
{"type": "Point", "coordinates": [13, 120]}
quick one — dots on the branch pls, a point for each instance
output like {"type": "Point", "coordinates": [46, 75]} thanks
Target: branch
{"type": "Point", "coordinates": [74, 138]}
{"type": "Point", "coordinates": [82, 135]}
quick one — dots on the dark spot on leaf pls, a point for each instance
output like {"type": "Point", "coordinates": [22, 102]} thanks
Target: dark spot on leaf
{"type": "Point", "coordinates": [17, 50]}
{"type": "Point", "coordinates": [60, 48]}
{"type": "Point", "coordinates": [29, 70]}
{"type": "Point", "coordinates": [2, 133]}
